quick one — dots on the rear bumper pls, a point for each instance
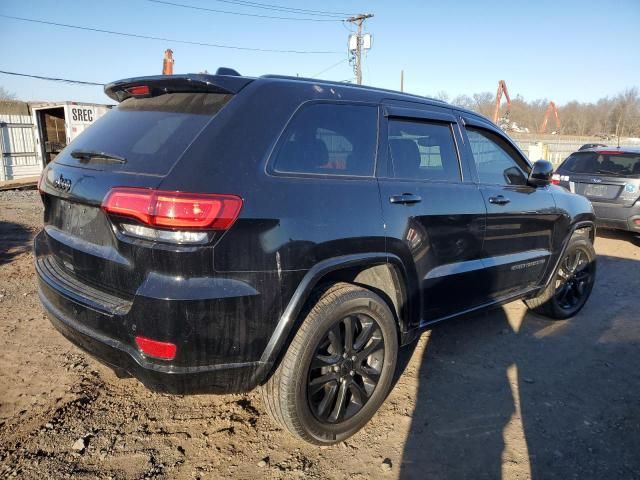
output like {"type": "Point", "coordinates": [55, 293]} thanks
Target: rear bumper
{"type": "Point", "coordinates": [219, 338]}
{"type": "Point", "coordinates": [617, 216]}
{"type": "Point", "coordinates": [126, 361]}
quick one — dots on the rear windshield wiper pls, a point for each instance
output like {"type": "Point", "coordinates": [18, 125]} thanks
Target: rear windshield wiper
{"type": "Point", "coordinates": [609, 172]}
{"type": "Point", "coordinates": [101, 157]}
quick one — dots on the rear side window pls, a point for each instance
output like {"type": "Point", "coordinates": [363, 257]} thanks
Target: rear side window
{"type": "Point", "coordinates": [150, 133]}
{"type": "Point", "coordinates": [330, 139]}
{"type": "Point", "coordinates": [423, 150]}
{"type": "Point", "coordinates": [603, 163]}
{"type": "Point", "coordinates": [496, 161]}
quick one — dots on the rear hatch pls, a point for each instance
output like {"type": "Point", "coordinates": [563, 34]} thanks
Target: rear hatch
{"type": "Point", "coordinates": [603, 176]}
{"type": "Point", "coordinates": [134, 145]}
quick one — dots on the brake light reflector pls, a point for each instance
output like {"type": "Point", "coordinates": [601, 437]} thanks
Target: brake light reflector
{"type": "Point", "coordinates": [156, 349]}
{"type": "Point", "coordinates": [175, 210]}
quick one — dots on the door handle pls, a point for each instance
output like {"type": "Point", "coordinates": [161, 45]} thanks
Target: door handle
{"type": "Point", "coordinates": [405, 198]}
{"type": "Point", "coordinates": [499, 200]}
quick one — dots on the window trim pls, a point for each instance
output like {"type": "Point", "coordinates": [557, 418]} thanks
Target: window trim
{"type": "Point", "coordinates": [270, 170]}
{"type": "Point", "coordinates": [426, 117]}
{"type": "Point", "coordinates": [520, 160]}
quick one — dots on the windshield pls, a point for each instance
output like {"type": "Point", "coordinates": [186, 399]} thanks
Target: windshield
{"type": "Point", "coordinates": [149, 133]}
{"type": "Point", "coordinates": [602, 163]}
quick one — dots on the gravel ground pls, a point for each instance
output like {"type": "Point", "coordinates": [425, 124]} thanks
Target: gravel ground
{"type": "Point", "coordinates": [504, 394]}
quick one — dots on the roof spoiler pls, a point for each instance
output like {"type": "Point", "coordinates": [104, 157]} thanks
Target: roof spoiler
{"type": "Point", "coordinates": [160, 84]}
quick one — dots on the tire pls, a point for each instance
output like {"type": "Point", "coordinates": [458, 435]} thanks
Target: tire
{"type": "Point", "coordinates": [571, 284]}
{"type": "Point", "coordinates": [303, 397]}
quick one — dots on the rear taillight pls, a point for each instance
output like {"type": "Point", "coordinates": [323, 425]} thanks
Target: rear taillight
{"type": "Point", "coordinates": [555, 179]}
{"type": "Point", "coordinates": [175, 217]}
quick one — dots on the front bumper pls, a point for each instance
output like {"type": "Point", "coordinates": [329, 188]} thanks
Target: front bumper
{"type": "Point", "coordinates": [617, 216]}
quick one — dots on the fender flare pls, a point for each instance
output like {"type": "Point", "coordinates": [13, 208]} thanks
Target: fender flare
{"type": "Point", "coordinates": [288, 320]}
{"type": "Point", "coordinates": [576, 226]}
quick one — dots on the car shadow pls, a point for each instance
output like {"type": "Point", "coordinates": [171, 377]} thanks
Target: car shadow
{"type": "Point", "coordinates": [15, 239]}
{"type": "Point", "coordinates": [631, 237]}
{"type": "Point", "coordinates": [510, 394]}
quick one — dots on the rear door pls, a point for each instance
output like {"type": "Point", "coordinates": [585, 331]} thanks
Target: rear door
{"type": "Point", "coordinates": [434, 215]}
{"type": "Point", "coordinates": [520, 218]}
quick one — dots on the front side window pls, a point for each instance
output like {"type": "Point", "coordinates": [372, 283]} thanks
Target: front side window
{"type": "Point", "coordinates": [421, 150]}
{"type": "Point", "coordinates": [495, 161]}
{"type": "Point", "coordinates": [330, 139]}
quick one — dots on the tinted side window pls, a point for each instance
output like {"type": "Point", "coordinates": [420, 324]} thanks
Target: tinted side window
{"type": "Point", "coordinates": [423, 150]}
{"type": "Point", "coordinates": [325, 138]}
{"type": "Point", "coordinates": [494, 158]}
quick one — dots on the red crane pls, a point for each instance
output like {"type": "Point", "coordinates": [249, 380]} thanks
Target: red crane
{"type": "Point", "coordinates": [502, 88]}
{"type": "Point", "coordinates": [550, 108]}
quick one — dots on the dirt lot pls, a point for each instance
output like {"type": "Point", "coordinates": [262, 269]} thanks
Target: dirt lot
{"type": "Point", "coordinates": [506, 394]}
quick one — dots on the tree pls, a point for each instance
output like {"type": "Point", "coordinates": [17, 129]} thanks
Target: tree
{"type": "Point", "coordinates": [6, 94]}
{"type": "Point", "coordinates": [442, 95]}
{"type": "Point", "coordinates": [619, 115]}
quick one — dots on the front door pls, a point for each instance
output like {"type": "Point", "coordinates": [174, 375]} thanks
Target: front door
{"type": "Point", "coordinates": [520, 218]}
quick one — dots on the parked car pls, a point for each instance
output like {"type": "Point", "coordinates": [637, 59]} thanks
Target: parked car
{"type": "Point", "coordinates": [610, 178]}
{"type": "Point", "coordinates": [218, 233]}
{"type": "Point", "coordinates": [588, 146]}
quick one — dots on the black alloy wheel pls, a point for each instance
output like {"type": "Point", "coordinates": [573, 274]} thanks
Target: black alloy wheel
{"type": "Point", "coordinates": [345, 368]}
{"type": "Point", "coordinates": [574, 280]}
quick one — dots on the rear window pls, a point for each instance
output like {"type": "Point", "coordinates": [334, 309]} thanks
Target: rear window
{"type": "Point", "coordinates": [423, 151]}
{"type": "Point", "coordinates": [150, 133]}
{"type": "Point", "coordinates": [619, 164]}
{"type": "Point", "coordinates": [330, 139]}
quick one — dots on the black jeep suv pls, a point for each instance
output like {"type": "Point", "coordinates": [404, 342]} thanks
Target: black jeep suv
{"type": "Point", "coordinates": [216, 233]}
{"type": "Point", "coordinates": [610, 178]}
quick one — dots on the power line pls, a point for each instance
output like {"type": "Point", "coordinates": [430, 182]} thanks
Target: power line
{"type": "Point", "coordinates": [282, 8]}
{"type": "Point", "coordinates": [163, 39]}
{"type": "Point", "coordinates": [329, 68]}
{"type": "Point", "coordinates": [63, 80]}
{"type": "Point", "coordinates": [227, 12]}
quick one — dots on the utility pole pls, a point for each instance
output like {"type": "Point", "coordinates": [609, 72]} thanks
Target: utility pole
{"type": "Point", "coordinates": [357, 51]}
{"type": "Point", "coordinates": [402, 80]}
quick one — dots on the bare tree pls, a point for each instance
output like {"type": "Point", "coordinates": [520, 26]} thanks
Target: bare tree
{"type": "Point", "coordinates": [442, 95]}
{"type": "Point", "coordinates": [619, 115]}
{"type": "Point", "coordinates": [6, 94]}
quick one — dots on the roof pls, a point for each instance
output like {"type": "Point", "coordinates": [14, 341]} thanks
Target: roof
{"type": "Point", "coordinates": [346, 84]}
{"type": "Point", "coordinates": [621, 149]}
{"type": "Point", "coordinates": [222, 81]}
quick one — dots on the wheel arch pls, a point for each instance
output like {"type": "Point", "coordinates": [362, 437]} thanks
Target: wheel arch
{"type": "Point", "coordinates": [382, 273]}
{"type": "Point", "coordinates": [587, 227]}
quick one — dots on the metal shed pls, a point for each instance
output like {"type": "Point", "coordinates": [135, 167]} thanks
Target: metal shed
{"type": "Point", "coordinates": [32, 134]}
{"type": "Point", "coordinates": [18, 157]}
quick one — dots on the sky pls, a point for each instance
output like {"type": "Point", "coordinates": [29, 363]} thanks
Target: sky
{"type": "Point", "coordinates": [561, 50]}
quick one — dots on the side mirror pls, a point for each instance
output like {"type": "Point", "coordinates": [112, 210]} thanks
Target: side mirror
{"type": "Point", "coordinates": [541, 174]}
